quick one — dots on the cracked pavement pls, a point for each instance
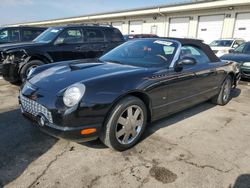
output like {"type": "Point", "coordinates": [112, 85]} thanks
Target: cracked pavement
{"type": "Point", "coordinates": [205, 146]}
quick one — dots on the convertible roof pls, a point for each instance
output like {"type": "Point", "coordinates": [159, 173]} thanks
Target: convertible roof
{"type": "Point", "coordinates": [198, 43]}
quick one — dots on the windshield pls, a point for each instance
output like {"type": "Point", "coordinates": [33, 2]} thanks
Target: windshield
{"type": "Point", "coordinates": [48, 35]}
{"type": "Point", "coordinates": [222, 43]}
{"type": "Point", "coordinates": [145, 53]}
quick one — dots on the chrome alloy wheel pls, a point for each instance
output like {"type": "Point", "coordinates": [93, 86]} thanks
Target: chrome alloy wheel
{"type": "Point", "coordinates": [129, 124]}
{"type": "Point", "coordinates": [29, 69]}
{"type": "Point", "coordinates": [227, 90]}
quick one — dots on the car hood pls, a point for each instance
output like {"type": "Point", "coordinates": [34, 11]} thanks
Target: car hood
{"type": "Point", "coordinates": [238, 57]}
{"type": "Point", "coordinates": [59, 77]}
{"type": "Point", "coordinates": [14, 46]}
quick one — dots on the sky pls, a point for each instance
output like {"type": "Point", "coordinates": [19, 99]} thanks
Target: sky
{"type": "Point", "coordinates": [19, 11]}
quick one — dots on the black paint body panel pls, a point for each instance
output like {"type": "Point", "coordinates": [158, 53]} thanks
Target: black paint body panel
{"type": "Point", "coordinates": [164, 90]}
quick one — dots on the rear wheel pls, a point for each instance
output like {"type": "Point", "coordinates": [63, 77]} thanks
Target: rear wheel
{"type": "Point", "coordinates": [27, 68]}
{"type": "Point", "coordinates": [224, 96]}
{"type": "Point", "coordinates": [125, 124]}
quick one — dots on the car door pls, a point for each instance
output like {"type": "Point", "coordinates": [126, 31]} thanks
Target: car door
{"type": "Point", "coordinates": [194, 83]}
{"type": "Point", "coordinates": [68, 45]}
{"type": "Point", "coordinates": [95, 43]}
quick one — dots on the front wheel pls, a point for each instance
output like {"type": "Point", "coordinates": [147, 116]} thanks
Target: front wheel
{"type": "Point", "coordinates": [27, 68]}
{"type": "Point", "coordinates": [125, 124]}
{"type": "Point", "coordinates": [224, 96]}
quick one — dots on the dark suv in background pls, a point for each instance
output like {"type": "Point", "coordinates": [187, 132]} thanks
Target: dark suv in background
{"type": "Point", "coordinates": [12, 35]}
{"type": "Point", "coordinates": [19, 34]}
{"type": "Point", "coordinates": [59, 44]}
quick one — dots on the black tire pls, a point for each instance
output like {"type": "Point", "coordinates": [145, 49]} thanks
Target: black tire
{"type": "Point", "coordinates": [109, 132]}
{"type": "Point", "coordinates": [223, 98]}
{"type": "Point", "coordinates": [26, 68]}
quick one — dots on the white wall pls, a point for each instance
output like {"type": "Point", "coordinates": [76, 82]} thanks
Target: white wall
{"type": "Point", "coordinates": [160, 19]}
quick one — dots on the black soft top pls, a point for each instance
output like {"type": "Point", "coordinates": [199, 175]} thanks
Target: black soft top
{"type": "Point", "coordinates": [199, 44]}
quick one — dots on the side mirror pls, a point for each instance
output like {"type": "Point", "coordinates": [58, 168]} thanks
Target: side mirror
{"type": "Point", "coordinates": [59, 41]}
{"type": "Point", "coordinates": [186, 61]}
{"type": "Point", "coordinates": [231, 51]}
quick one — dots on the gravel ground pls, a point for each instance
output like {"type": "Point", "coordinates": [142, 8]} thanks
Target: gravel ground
{"type": "Point", "coordinates": [205, 146]}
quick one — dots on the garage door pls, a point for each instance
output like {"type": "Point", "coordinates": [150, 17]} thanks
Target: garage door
{"type": "Point", "coordinates": [135, 27]}
{"type": "Point", "coordinates": [178, 27]}
{"type": "Point", "coordinates": [118, 25]}
{"type": "Point", "coordinates": [210, 28]}
{"type": "Point", "coordinates": [242, 26]}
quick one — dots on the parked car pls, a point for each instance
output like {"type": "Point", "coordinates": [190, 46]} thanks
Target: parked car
{"type": "Point", "coordinates": [242, 56]}
{"type": "Point", "coordinates": [11, 35]}
{"type": "Point", "coordinates": [134, 84]}
{"type": "Point", "coordinates": [59, 44]}
{"type": "Point", "coordinates": [223, 46]}
{"type": "Point", "coordinates": [137, 36]}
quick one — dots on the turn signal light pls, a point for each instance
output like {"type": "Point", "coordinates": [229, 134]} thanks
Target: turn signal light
{"type": "Point", "coordinates": [88, 131]}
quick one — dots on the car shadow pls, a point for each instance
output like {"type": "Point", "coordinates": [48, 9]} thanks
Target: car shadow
{"type": "Point", "coordinates": [235, 93]}
{"type": "Point", "coordinates": [168, 121]}
{"type": "Point", "coordinates": [245, 79]}
{"type": "Point", "coordinates": [20, 145]}
{"type": "Point", "coordinates": [172, 119]}
{"type": "Point", "coordinates": [185, 114]}
{"type": "Point", "coordinates": [96, 144]}
{"type": "Point", "coordinates": [243, 181]}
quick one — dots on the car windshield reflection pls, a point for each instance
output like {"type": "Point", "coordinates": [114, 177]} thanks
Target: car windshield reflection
{"type": "Point", "coordinates": [144, 53]}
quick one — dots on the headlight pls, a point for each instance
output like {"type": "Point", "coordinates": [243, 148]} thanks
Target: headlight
{"type": "Point", "coordinates": [247, 64]}
{"type": "Point", "coordinates": [73, 94]}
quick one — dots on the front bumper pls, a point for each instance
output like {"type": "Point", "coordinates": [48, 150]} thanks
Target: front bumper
{"type": "Point", "coordinates": [69, 133]}
{"type": "Point", "coordinates": [44, 119]}
{"type": "Point", "coordinates": [10, 71]}
{"type": "Point", "coordinates": [245, 72]}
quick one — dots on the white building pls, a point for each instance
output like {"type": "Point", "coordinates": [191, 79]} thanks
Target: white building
{"type": "Point", "coordinates": [207, 20]}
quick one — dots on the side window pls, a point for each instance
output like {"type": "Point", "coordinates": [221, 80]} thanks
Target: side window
{"type": "Point", "coordinates": [237, 43]}
{"type": "Point", "coordinates": [71, 36]}
{"type": "Point", "coordinates": [114, 35]}
{"type": "Point", "coordinates": [14, 35]}
{"type": "Point", "coordinates": [194, 52]}
{"type": "Point", "coordinates": [4, 36]}
{"type": "Point", "coordinates": [240, 48]}
{"type": "Point", "coordinates": [29, 35]}
{"type": "Point", "coordinates": [247, 49]}
{"type": "Point", "coordinates": [94, 35]}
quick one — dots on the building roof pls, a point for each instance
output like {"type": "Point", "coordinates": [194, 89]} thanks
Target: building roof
{"type": "Point", "coordinates": [159, 10]}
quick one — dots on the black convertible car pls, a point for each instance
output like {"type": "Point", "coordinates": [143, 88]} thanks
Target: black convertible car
{"type": "Point", "coordinates": [134, 84]}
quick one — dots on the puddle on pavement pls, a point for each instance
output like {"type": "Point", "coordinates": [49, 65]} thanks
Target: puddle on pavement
{"type": "Point", "coordinates": [162, 174]}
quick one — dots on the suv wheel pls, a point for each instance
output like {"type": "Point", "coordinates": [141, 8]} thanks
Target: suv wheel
{"type": "Point", "coordinates": [27, 67]}
{"type": "Point", "coordinates": [125, 124]}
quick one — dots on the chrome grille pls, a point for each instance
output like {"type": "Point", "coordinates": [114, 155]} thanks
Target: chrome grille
{"type": "Point", "coordinates": [34, 108]}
